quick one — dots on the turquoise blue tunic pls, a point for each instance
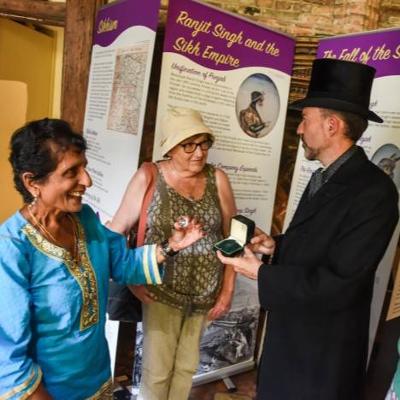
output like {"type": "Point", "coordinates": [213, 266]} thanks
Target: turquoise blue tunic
{"type": "Point", "coordinates": [53, 308]}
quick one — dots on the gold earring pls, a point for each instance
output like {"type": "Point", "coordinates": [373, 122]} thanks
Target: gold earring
{"type": "Point", "coordinates": [34, 201]}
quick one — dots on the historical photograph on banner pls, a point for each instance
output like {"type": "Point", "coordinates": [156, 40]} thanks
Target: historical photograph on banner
{"type": "Point", "coordinates": [236, 73]}
{"type": "Point", "coordinates": [116, 100]}
{"type": "Point", "coordinates": [381, 142]}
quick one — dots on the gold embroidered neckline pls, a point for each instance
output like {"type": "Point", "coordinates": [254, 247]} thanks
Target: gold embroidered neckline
{"type": "Point", "coordinates": [54, 249]}
{"type": "Point", "coordinates": [79, 267]}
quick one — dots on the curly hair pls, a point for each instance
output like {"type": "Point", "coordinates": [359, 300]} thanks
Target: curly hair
{"type": "Point", "coordinates": [35, 148]}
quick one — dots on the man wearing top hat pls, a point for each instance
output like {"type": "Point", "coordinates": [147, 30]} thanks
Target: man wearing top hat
{"type": "Point", "coordinates": [317, 287]}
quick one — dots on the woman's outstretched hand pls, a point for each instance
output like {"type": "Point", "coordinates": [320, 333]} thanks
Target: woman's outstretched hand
{"type": "Point", "coordinates": [186, 232]}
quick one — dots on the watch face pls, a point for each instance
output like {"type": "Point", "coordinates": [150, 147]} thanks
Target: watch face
{"type": "Point", "coordinates": [167, 250]}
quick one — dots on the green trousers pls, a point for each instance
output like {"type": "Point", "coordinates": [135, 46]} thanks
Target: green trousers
{"type": "Point", "coordinates": [171, 342]}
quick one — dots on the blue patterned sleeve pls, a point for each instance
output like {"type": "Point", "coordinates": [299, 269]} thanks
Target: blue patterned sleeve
{"type": "Point", "coordinates": [127, 266]}
{"type": "Point", "coordinates": [19, 375]}
{"type": "Point", "coordinates": [133, 266]}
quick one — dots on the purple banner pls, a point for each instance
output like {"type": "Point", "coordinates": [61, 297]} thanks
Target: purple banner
{"type": "Point", "coordinates": [115, 18]}
{"type": "Point", "coordinates": [223, 41]}
{"type": "Point", "coordinates": [379, 49]}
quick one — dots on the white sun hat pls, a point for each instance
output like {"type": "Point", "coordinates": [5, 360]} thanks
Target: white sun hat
{"type": "Point", "coordinates": [179, 124]}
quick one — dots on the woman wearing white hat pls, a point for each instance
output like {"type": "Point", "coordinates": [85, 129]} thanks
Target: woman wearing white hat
{"type": "Point", "coordinates": [196, 286]}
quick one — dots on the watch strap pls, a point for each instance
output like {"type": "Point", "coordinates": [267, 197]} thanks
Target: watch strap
{"type": "Point", "coordinates": [167, 250]}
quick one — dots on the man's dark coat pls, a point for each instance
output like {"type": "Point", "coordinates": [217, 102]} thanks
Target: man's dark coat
{"type": "Point", "coordinates": [318, 290]}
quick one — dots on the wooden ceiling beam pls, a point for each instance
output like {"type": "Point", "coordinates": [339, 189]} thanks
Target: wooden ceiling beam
{"type": "Point", "coordinates": [78, 34]}
{"type": "Point", "coordinates": [43, 12]}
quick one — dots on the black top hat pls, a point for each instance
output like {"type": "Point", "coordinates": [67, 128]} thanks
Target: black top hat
{"type": "Point", "coordinates": [340, 85]}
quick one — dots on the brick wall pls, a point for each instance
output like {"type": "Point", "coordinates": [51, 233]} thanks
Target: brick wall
{"type": "Point", "coordinates": [389, 14]}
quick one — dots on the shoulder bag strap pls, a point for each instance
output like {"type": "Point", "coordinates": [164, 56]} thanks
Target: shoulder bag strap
{"type": "Point", "coordinates": [151, 173]}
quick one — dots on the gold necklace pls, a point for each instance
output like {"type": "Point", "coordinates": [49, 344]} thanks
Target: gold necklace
{"type": "Point", "coordinates": [75, 254]}
{"type": "Point", "coordinates": [42, 227]}
{"type": "Point", "coordinates": [75, 251]}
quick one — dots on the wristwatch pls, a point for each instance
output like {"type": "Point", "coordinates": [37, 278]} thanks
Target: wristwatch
{"type": "Point", "coordinates": [166, 249]}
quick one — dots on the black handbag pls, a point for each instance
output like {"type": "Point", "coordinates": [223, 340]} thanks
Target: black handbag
{"type": "Point", "coordinates": [122, 304]}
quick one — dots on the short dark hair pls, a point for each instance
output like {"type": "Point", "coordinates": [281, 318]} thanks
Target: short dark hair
{"type": "Point", "coordinates": [355, 124]}
{"type": "Point", "coordinates": [34, 149]}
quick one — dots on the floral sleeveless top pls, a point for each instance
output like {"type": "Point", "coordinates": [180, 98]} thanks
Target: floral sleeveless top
{"type": "Point", "coordinates": [193, 277]}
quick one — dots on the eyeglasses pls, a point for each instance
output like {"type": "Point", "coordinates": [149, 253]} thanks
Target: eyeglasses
{"type": "Point", "coordinates": [191, 147]}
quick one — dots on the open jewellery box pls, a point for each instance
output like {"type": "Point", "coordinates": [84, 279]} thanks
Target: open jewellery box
{"type": "Point", "coordinates": [242, 230]}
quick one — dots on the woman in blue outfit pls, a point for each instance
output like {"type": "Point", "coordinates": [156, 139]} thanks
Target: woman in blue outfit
{"type": "Point", "coordinates": [56, 260]}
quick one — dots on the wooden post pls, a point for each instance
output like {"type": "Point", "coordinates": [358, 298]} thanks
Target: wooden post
{"type": "Point", "coordinates": [79, 23]}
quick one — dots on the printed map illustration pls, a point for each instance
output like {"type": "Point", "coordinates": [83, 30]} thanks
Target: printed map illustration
{"type": "Point", "coordinates": [127, 91]}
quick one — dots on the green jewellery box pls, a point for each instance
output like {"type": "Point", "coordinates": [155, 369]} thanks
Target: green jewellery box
{"type": "Point", "coordinates": [242, 230]}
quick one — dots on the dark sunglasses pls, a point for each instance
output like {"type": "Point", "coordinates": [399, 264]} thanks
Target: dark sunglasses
{"type": "Point", "coordinates": [191, 147]}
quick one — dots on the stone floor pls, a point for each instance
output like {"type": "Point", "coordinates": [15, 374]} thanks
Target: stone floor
{"type": "Point", "coordinates": [245, 388]}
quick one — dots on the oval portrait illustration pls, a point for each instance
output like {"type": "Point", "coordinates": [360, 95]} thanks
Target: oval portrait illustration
{"type": "Point", "coordinates": [257, 105]}
{"type": "Point", "coordinates": [387, 158]}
